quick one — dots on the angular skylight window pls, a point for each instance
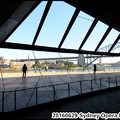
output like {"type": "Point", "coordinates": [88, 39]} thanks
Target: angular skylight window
{"type": "Point", "coordinates": [116, 48]}
{"type": "Point", "coordinates": [55, 24]}
{"type": "Point", "coordinates": [95, 36]}
{"type": "Point", "coordinates": [110, 39]}
{"type": "Point", "coordinates": [78, 31]}
{"type": "Point", "coordinates": [26, 31]}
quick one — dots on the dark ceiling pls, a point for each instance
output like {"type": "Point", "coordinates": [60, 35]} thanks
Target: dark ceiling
{"type": "Point", "coordinates": [13, 14]}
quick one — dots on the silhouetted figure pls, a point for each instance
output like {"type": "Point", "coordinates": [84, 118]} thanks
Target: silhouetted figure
{"type": "Point", "coordinates": [94, 71]}
{"type": "Point", "coordinates": [94, 68]}
{"type": "Point", "coordinates": [46, 68]}
{"type": "Point", "coordinates": [24, 69]}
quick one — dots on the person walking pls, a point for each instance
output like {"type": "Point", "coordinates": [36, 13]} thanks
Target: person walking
{"type": "Point", "coordinates": [24, 69]}
{"type": "Point", "coordinates": [35, 68]}
{"type": "Point", "coordinates": [46, 68]}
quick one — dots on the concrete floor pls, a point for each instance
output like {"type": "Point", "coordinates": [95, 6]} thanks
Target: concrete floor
{"type": "Point", "coordinates": [107, 101]}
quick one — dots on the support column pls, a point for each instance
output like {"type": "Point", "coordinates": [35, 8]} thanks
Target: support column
{"type": "Point", "coordinates": [81, 60]}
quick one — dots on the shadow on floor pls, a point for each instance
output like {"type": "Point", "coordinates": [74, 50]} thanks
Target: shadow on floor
{"type": "Point", "coordinates": [107, 101]}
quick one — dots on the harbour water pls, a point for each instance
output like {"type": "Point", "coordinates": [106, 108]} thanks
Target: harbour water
{"type": "Point", "coordinates": [88, 69]}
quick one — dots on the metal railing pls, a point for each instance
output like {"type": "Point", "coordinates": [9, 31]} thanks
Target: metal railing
{"type": "Point", "coordinates": [17, 99]}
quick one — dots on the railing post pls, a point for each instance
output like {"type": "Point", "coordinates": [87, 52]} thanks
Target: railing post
{"type": "Point", "coordinates": [68, 90]}
{"type": "Point", "coordinates": [2, 101]}
{"type": "Point", "coordinates": [109, 81]}
{"type": "Point", "coordinates": [100, 84]}
{"type": "Point", "coordinates": [91, 86]}
{"type": "Point", "coordinates": [80, 87]}
{"type": "Point", "coordinates": [14, 99]}
{"type": "Point", "coordinates": [116, 80]}
{"type": "Point", "coordinates": [54, 91]}
{"type": "Point", "coordinates": [36, 97]}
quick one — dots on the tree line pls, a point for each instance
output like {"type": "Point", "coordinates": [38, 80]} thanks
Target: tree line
{"type": "Point", "coordinates": [67, 64]}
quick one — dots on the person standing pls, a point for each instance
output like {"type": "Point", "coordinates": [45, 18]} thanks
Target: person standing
{"type": "Point", "coordinates": [94, 68]}
{"type": "Point", "coordinates": [24, 69]}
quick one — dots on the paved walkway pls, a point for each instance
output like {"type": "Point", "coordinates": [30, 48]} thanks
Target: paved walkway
{"type": "Point", "coordinates": [20, 99]}
{"type": "Point", "coordinates": [107, 102]}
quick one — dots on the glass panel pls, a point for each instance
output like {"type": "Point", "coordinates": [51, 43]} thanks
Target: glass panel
{"type": "Point", "coordinates": [26, 31]}
{"type": "Point", "coordinates": [22, 102]}
{"type": "Point", "coordinates": [104, 83]}
{"type": "Point", "coordinates": [98, 59]}
{"type": "Point", "coordinates": [78, 31]}
{"type": "Point", "coordinates": [86, 86]}
{"type": "Point", "coordinates": [112, 81]}
{"type": "Point", "coordinates": [118, 80]}
{"type": "Point", "coordinates": [67, 55]}
{"type": "Point", "coordinates": [15, 54]}
{"type": "Point", "coordinates": [95, 36]}
{"type": "Point", "coordinates": [23, 54]}
{"type": "Point", "coordinates": [46, 93]}
{"type": "Point", "coordinates": [55, 24]}
{"type": "Point", "coordinates": [8, 101]}
{"type": "Point", "coordinates": [109, 60]}
{"type": "Point", "coordinates": [116, 48]}
{"type": "Point", "coordinates": [96, 84]}
{"type": "Point", "coordinates": [63, 55]}
{"type": "Point", "coordinates": [74, 88]}
{"type": "Point", "coordinates": [39, 54]}
{"type": "Point", "coordinates": [61, 91]}
{"type": "Point", "coordinates": [114, 64]}
{"type": "Point", "coordinates": [105, 46]}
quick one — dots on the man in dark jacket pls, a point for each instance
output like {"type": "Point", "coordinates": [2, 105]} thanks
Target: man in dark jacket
{"type": "Point", "coordinates": [24, 69]}
{"type": "Point", "coordinates": [94, 68]}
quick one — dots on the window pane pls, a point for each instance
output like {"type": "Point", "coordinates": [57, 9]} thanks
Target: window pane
{"type": "Point", "coordinates": [15, 54]}
{"type": "Point", "coordinates": [78, 31]}
{"type": "Point", "coordinates": [110, 40]}
{"type": "Point", "coordinates": [95, 36]}
{"type": "Point", "coordinates": [55, 24]}
{"type": "Point", "coordinates": [26, 31]}
{"type": "Point", "coordinates": [23, 54]}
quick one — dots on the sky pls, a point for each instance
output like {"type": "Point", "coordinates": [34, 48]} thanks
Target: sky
{"type": "Point", "coordinates": [53, 29]}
